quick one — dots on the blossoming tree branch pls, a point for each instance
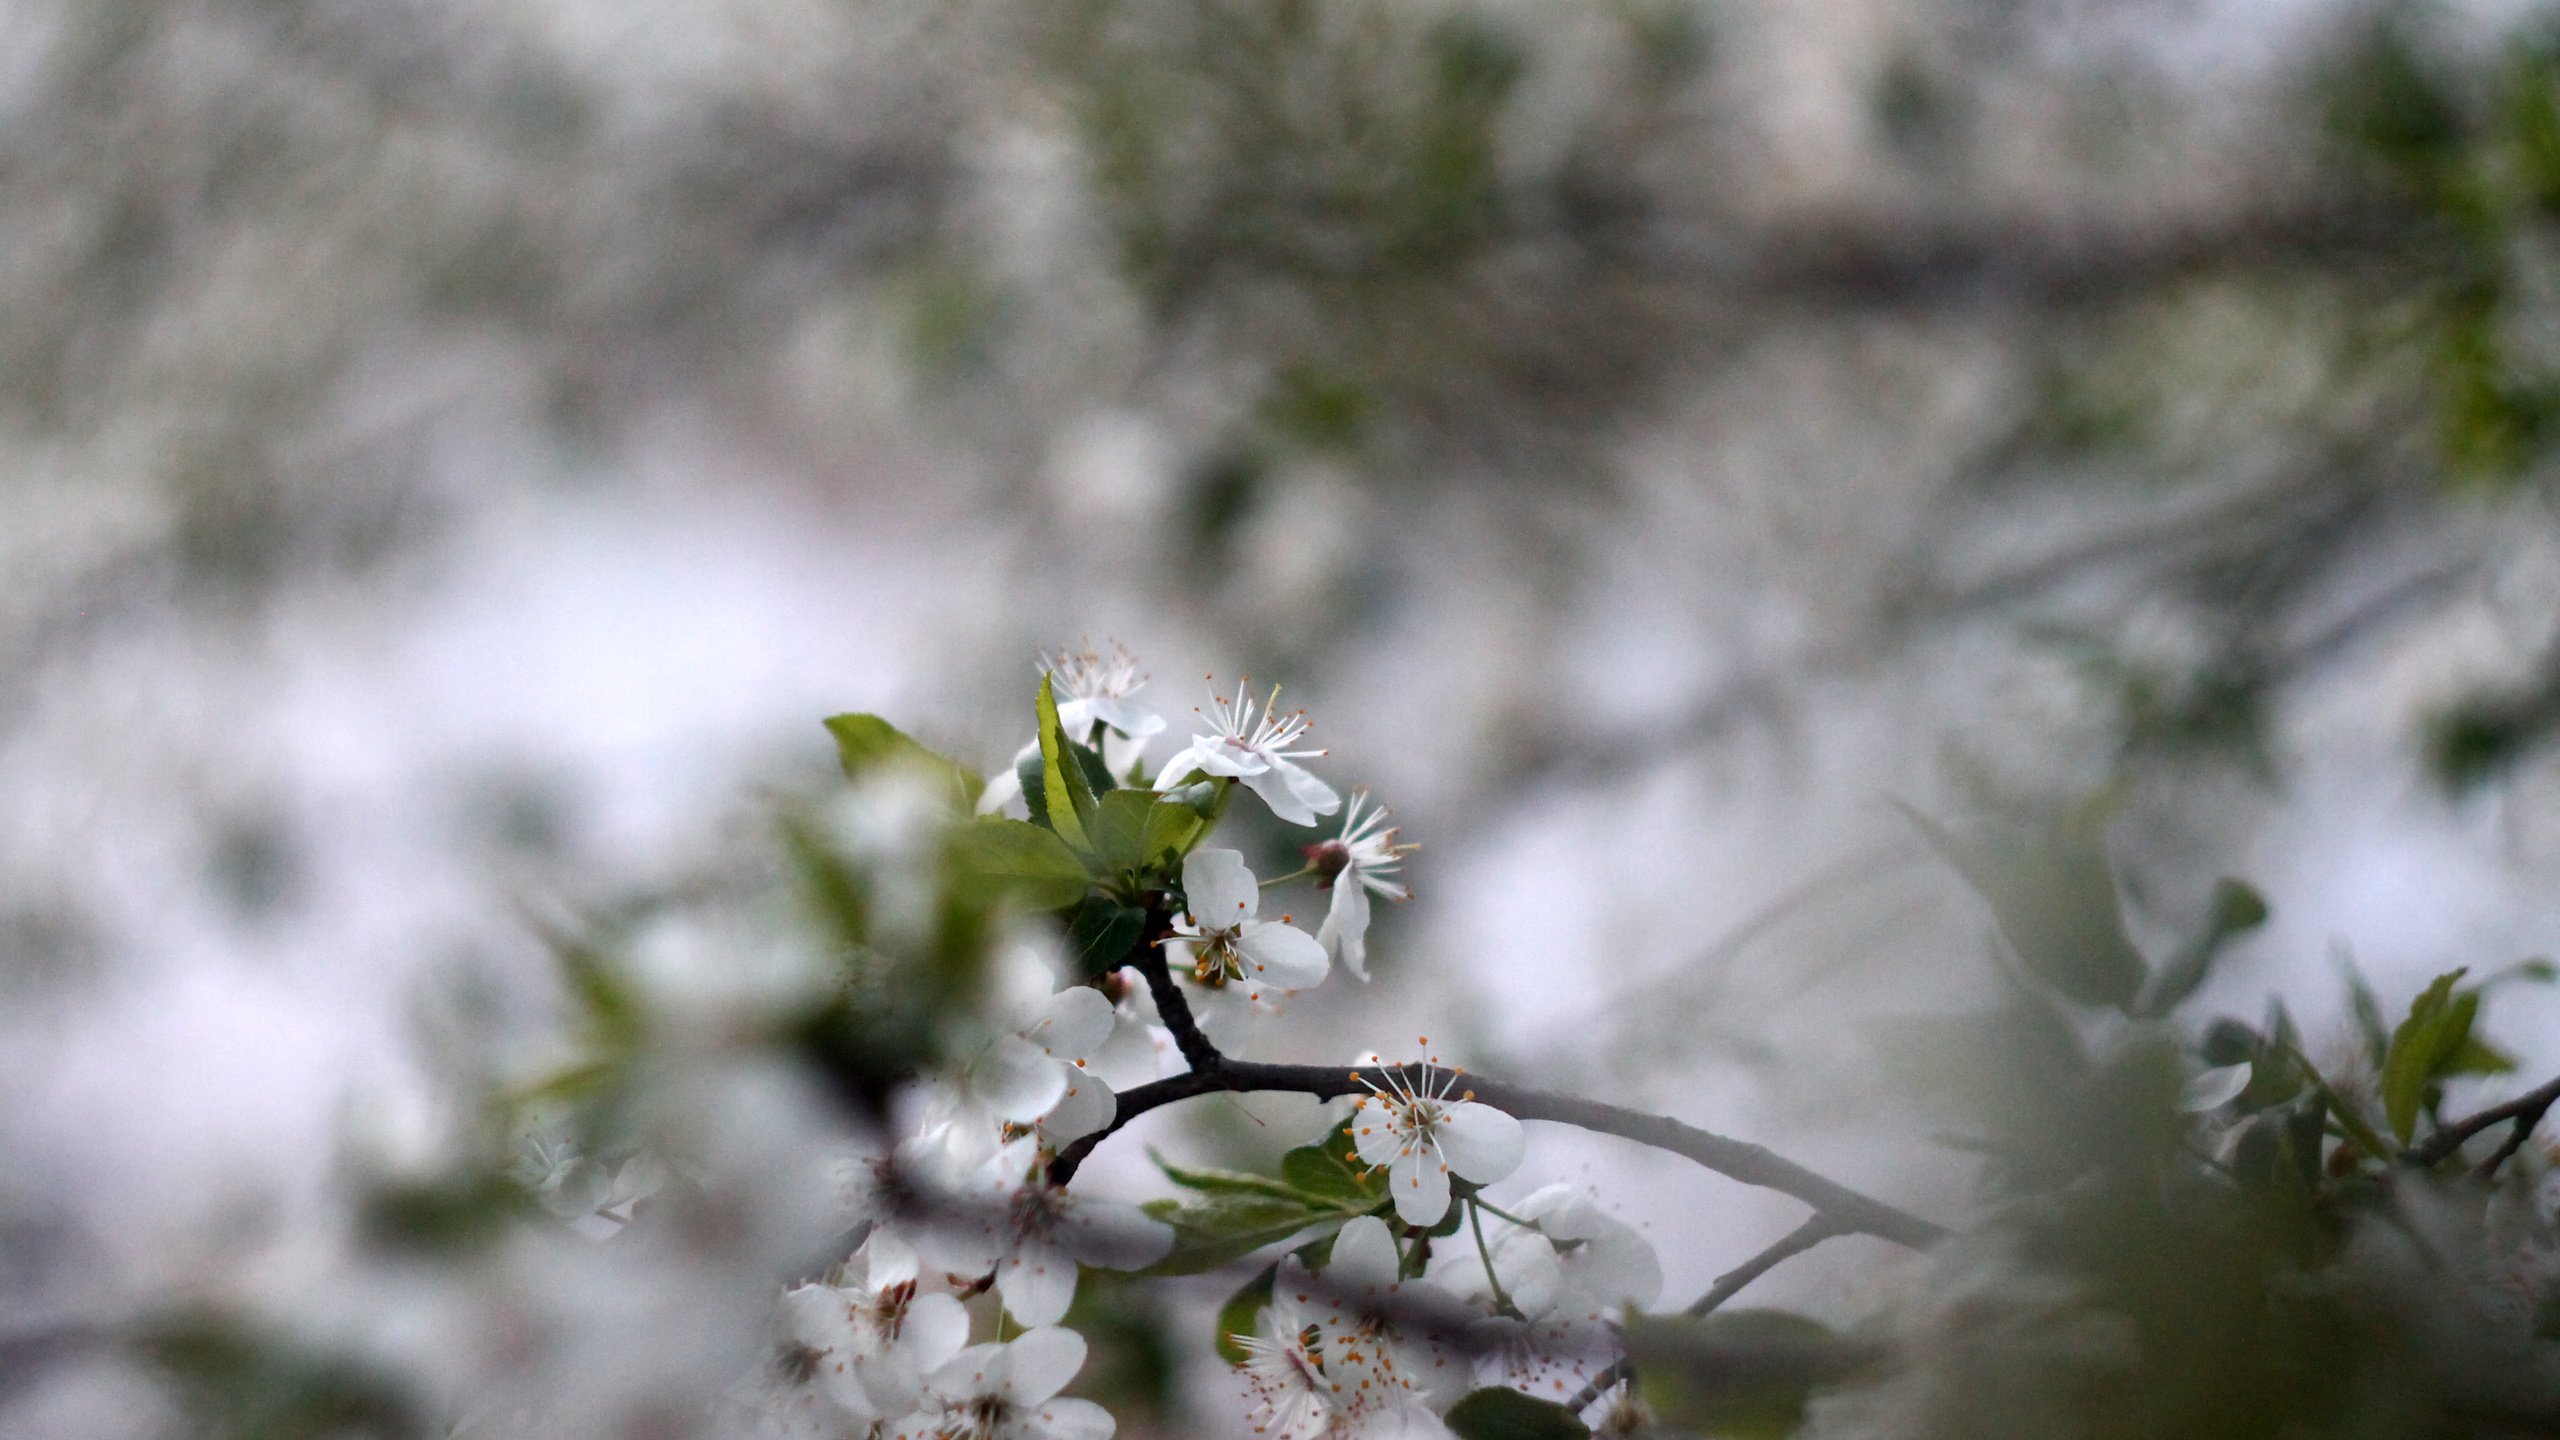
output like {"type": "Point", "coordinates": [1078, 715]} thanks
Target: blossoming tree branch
{"type": "Point", "coordinates": [1024, 966]}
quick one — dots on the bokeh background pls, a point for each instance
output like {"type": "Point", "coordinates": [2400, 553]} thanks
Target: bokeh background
{"type": "Point", "coordinates": [452, 453]}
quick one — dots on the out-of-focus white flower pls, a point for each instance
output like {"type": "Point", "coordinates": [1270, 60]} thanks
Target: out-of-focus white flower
{"type": "Point", "coordinates": [1031, 1073]}
{"type": "Point", "coordinates": [596, 1196]}
{"type": "Point", "coordinates": [1091, 689]}
{"type": "Point", "coordinates": [1032, 1237]}
{"type": "Point", "coordinates": [1095, 688]}
{"type": "Point", "coordinates": [1237, 963]}
{"type": "Point", "coordinates": [1353, 865]}
{"type": "Point", "coordinates": [1238, 746]}
{"type": "Point", "coordinates": [1351, 1351]}
{"type": "Point", "coordinates": [1566, 1274]}
{"type": "Point", "coordinates": [1422, 1133]}
{"type": "Point", "coordinates": [1000, 1088]}
{"type": "Point", "coordinates": [1009, 1391]}
{"type": "Point", "coordinates": [874, 1338]}
{"type": "Point", "coordinates": [1073, 1028]}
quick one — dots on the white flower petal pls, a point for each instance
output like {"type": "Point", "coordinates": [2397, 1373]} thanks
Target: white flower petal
{"type": "Point", "coordinates": [1481, 1143]}
{"type": "Point", "coordinates": [1346, 926]}
{"type": "Point", "coordinates": [1072, 1024]}
{"type": "Point", "coordinates": [1306, 788]}
{"type": "Point", "coordinates": [886, 1261]}
{"type": "Point", "coordinates": [1373, 1132]}
{"type": "Point", "coordinates": [1087, 1106]}
{"type": "Point", "coordinates": [1226, 761]}
{"type": "Point", "coordinates": [1074, 1420]}
{"type": "Point", "coordinates": [975, 1371]}
{"type": "Point", "coordinates": [1015, 1081]}
{"type": "Point", "coordinates": [1272, 784]}
{"type": "Point", "coordinates": [1419, 1183]}
{"type": "Point", "coordinates": [1127, 716]}
{"type": "Point", "coordinates": [936, 1328]}
{"type": "Point", "coordinates": [1225, 1016]}
{"type": "Point", "coordinates": [1042, 1361]}
{"type": "Point", "coordinates": [1364, 1256]}
{"type": "Point", "coordinates": [817, 1316]}
{"type": "Point", "coordinates": [1282, 957]}
{"type": "Point", "coordinates": [1038, 1282]}
{"type": "Point", "coordinates": [1531, 1273]}
{"type": "Point", "coordinates": [1179, 767]}
{"type": "Point", "coordinates": [1220, 889]}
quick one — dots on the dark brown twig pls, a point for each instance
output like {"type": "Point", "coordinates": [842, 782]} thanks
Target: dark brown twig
{"type": "Point", "coordinates": [1211, 1072]}
{"type": "Point", "coordinates": [2525, 1110]}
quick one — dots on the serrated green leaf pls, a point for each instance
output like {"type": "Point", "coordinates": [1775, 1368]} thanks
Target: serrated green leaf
{"type": "Point", "coordinates": [1100, 933]}
{"type": "Point", "coordinates": [1028, 770]}
{"type": "Point", "coordinates": [1496, 1413]}
{"type": "Point", "coordinates": [1236, 1318]}
{"type": "Point", "coordinates": [1216, 1230]}
{"type": "Point", "coordinates": [1068, 799]}
{"type": "Point", "coordinates": [866, 744]}
{"type": "Point", "coordinates": [2437, 1025]}
{"type": "Point", "coordinates": [1017, 862]}
{"type": "Point", "coordinates": [2054, 898]}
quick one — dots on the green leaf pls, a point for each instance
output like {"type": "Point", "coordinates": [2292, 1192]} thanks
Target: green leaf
{"type": "Point", "coordinates": [1495, 1413]}
{"type": "Point", "coordinates": [1016, 861]}
{"type": "Point", "coordinates": [2054, 898]}
{"type": "Point", "coordinates": [1213, 1181]}
{"type": "Point", "coordinates": [1221, 1229]}
{"type": "Point", "coordinates": [2371, 1028]}
{"type": "Point", "coordinates": [2476, 1057]}
{"type": "Point", "coordinates": [1134, 829]}
{"type": "Point", "coordinates": [1236, 1318]}
{"type": "Point", "coordinates": [1736, 1372]}
{"type": "Point", "coordinates": [2438, 1025]}
{"type": "Point", "coordinates": [1100, 933]}
{"type": "Point", "coordinates": [1330, 1171]}
{"type": "Point", "coordinates": [2237, 909]}
{"type": "Point", "coordinates": [867, 743]}
{"type": "Point", "coordinates": [2358, 1133]}
{"type": "Point", "coordinates": [1067, 796]}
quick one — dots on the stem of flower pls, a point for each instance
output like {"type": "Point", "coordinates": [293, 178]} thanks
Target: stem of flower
{"type": "Point", "coordinates": [1475, 1221]}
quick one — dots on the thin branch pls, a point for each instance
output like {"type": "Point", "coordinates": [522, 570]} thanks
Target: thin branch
{"type": "Point", "coordinates": [1812, 1232]}
{"type": "Point", "coordinates": [1804, 1237]}
{"type": "Point", "coordinates": [2525, 1110]}
{"type": "Point", "coordinates": [1741, 1160]}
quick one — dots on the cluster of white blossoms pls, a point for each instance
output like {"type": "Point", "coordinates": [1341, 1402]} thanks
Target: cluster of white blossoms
{"type": "Point", "coordinates": [1367, 1344]}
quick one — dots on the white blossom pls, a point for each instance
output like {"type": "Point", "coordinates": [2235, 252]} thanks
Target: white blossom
{"type": "Point", "coordinates": [1352, 1350]}
{"type": "Point", "coordinates": [1029, 1072]}
{"type": "Point", "coordinates": [1422, 1134]}
{"type": "Point", "coordinates": [1238, 746]}
{"type": "Point", "coordinates": [1237, 963]}
{"type": "Point", "coordinates": [1032, 1238]}
{"type": "Point", "coordinates": [870, 1339]}
{"type": "Point", "coordinates": [1353, 866]}
{"type": "Point", "coordinates": [1090, 689]}
{"type": "Point", "coordinates": [1566, 1274]}
{"type": "Point", "coordinates": [1009, 1391]}
{"type": "Point", "coordinates": [1093, 688]}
